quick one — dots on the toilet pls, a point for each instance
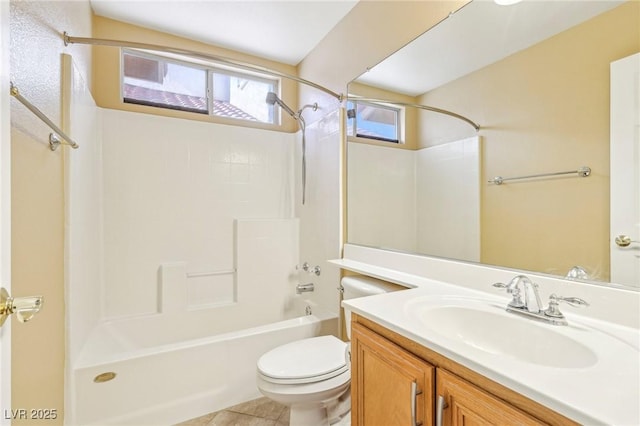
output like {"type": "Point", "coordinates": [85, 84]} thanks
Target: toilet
{"type": "Point", "coordinates": [312, 376]}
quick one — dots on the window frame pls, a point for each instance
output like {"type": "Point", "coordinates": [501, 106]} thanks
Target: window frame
{"type": "Point", "coordinates": [399, 123]}
{"type": "Point", "coordinates": [210, 70]}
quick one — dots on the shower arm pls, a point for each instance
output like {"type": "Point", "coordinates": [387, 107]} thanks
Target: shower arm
{"type": "Point", "coordinates": [313, 106]}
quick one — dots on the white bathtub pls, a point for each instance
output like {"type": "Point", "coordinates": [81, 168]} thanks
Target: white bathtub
{"type": "Point", "coordinates": [167, 383]}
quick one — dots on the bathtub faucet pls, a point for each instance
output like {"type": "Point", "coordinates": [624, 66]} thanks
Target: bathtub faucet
{"type": "Point", "coordinates": [303, 288]}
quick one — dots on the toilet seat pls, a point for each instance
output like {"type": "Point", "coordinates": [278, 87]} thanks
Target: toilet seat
{"type": "Point", "coordinates": [304, 361]}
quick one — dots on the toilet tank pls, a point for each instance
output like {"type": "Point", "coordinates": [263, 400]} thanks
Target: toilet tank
{"type": "Point", "coordinates": [361, 286]}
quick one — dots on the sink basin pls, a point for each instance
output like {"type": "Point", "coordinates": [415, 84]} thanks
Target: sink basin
{"type": "Point", "coordinates": [490, 329]}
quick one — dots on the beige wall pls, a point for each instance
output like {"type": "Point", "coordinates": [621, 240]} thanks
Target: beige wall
{"type": "Point", "coordinates": [37, 197]}
{"type": "Point", "coordinates": [541, 110]}
{"type": "Point", "coordinates": [106, 72]}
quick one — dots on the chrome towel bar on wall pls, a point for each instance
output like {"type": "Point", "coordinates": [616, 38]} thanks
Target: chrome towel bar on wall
{"type": "Point", "coordinates": [55, 139]}
{"type": "Point", "coordinates": [582, 172]}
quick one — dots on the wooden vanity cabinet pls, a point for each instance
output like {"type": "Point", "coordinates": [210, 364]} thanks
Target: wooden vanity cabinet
{"type": "Point", "coordinates": [385, 366]}
{"type": "Point", "coordinates": [389, 385]}
{"type": "Point", "coordinates": [469, 405]}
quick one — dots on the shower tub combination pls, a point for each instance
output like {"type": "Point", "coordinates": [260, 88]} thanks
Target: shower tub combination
{"type": "Point", "coordinates": [179, 277]}
{"type": "Point", "coordinates": [162, 382]}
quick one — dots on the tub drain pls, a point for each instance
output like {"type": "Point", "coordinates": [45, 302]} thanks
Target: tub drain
{"type": "Point", "coordinates": [307, 310]}
{"type": "Point", "coordinates": [104, 377]}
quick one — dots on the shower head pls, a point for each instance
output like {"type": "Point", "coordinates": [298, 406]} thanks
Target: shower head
{"type": "Point", "coordinates": [272, 99]}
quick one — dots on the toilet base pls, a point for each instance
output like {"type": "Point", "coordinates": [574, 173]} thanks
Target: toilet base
{"type": "Point", "coordinates": [320, 416]}
{"type": "Point", "coordinates": [340, 408]}
{"type": "Point", "coordinates": [344, 421]}
{"type": "Point", "coordinates": [306, 415]}
{"type": "Point", "coordinates": [337, 414]}
{"type": "Point", "coordinates": [311, 404]}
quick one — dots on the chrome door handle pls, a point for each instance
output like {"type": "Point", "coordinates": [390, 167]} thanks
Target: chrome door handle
{"type": "Point", "coordinates": [442, 405]}
{"type": "Point", "coordinates": [414, 396]}
{"type": "Point", "coordinates": [625, 241]}
{"type": "Point", "coordinates": [25, 308]}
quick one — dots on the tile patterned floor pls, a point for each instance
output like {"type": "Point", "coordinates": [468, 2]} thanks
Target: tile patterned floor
{"type": "Point", "coordinates": [259, 412]}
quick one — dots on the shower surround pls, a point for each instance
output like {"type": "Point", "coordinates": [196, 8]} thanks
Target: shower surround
{"type": "Point", "coordinates": [206, 195]}
{"type": "Point", "coordinates": [182, 245]}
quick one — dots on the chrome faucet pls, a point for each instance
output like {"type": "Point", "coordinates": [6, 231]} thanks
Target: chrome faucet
{"type": "Point", "coordinates": [304, 288]}
{"type": "Point", "coordinates": [523, 285]}
{"type": "Point", "coordinates": [577, 273]}
{"type": "Point", "coordinates": [531, 306]}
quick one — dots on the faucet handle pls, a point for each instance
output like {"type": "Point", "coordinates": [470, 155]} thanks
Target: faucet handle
{"type": "Point", "coordinates": [306, 267]}
{"type": "Point", "coordinates": [514, 291]}
{"type": "Point", "coordinates": [554, 300]}
{"type": "Point", "coordinates": [573, 301]}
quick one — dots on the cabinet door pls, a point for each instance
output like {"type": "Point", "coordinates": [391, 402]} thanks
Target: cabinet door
{"type": "Point", "coordinates": [389, 385]}
{"type": "Point", "coordinates": [464, 404]}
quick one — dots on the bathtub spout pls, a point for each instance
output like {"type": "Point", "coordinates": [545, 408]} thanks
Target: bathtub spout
{"type": "Point", "coordinates": [304, 288]}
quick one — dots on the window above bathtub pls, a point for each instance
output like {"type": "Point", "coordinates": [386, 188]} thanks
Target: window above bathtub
{"type": "Point", "coordinates": [160, 82]}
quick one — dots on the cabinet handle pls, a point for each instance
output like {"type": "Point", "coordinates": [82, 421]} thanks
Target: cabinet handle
{"type": "Point", "coordinates": [442, 404]}
{"type": "Point", "coordinates": [414, 396]}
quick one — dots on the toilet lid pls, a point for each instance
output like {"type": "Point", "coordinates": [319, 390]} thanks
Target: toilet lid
{"type": "Point", "coordinates": [305, 361]}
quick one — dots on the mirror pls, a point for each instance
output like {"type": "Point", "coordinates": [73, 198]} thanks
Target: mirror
{"type": "Point", "coordinates": [535, 77]}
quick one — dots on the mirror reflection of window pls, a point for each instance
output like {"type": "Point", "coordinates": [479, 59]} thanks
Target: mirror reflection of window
{"type": "Point", "coordinates": [373, 121]}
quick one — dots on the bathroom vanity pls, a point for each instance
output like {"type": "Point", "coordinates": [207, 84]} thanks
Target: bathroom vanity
{"type": "Point", "coordinates": [442, 353]}
{"type": "Point", "coordinates": [426, 387]}
{"type": "Point", "coordinates": [460, 357]}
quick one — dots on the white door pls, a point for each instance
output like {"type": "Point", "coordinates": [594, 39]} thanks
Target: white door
{"type": "Point", "coordinates": [625, 171]}
{"type": "Point", "coordinates": [5, 210]}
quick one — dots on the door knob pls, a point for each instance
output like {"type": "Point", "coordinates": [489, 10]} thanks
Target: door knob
{"type": "Point", "coordinates": [25, 308]}
{"type": "Point", "coordinates": [624, 241]}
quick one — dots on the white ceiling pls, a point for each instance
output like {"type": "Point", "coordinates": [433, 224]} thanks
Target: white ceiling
{"type": "Point", "coordinates": [480, 34]}
{"type": "Point", "coordinates": [284, 31]}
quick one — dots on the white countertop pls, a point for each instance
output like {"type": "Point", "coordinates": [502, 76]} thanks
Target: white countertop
{"type": "Point", "coordinates": [606, 392]}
